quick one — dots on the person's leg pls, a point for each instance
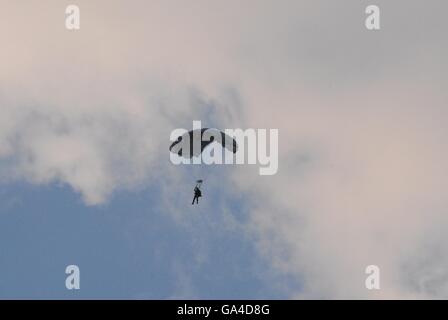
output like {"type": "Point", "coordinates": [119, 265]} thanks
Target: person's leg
{"type": "Point", "coordinates": [193, 199]}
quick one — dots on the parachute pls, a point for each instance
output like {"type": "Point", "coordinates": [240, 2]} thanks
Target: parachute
{"type": "Point", "coordinates": [198, 183]}
{"type": "Point", "coordinates": [192, 143]}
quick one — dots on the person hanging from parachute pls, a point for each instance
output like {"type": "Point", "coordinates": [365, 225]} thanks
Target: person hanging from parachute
{"type": "Point", "coordinates": [190, 145]}
{"type": "Point", "coordinates": [197, 192]}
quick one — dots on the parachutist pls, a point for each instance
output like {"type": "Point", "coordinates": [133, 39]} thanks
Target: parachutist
{"type": "Point", "coordinates": [197, 194]}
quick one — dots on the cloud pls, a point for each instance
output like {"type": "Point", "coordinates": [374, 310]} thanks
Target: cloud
{"type": "Point", "coordinates": [360, 118]}
{"type": "Point", "coordinates": [359, 184]}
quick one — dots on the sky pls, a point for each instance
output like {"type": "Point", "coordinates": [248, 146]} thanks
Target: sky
{"type": "Point", "coordinates": [85, 176]}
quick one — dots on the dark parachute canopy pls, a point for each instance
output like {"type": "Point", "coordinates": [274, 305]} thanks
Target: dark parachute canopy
{"type": "Point", "coordinates": [192, 143]}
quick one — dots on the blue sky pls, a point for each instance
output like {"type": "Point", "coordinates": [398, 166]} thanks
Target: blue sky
{"type": "Point", "coordinates": [126, 249]}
